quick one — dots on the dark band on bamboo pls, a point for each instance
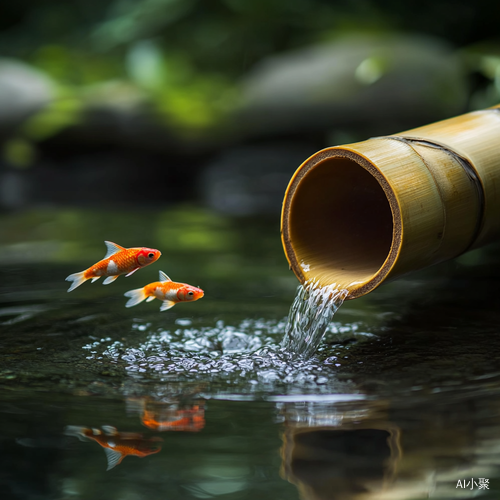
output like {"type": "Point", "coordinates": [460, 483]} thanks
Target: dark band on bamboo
{"type": "Point", "coordinates": [465, 164]}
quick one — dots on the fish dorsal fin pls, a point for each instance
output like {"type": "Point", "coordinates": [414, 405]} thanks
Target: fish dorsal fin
{"type": "Point", "coordinates": [112, 248]}
{"type": "Point", "coordinates": [113, 457]}
{"type": "Point", "coordinates": [164, 277]}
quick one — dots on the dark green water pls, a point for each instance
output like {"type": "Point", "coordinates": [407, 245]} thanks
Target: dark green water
{"type": "Point", "coordinates": [402, 400]}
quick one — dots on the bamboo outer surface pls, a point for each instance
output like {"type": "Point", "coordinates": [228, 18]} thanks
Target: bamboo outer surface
{"type": "Point", "coordinates": [441, 181]}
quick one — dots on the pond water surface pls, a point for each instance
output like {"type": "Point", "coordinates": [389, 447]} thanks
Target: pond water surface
{"type": "Point", "coordinates": [401, 400]}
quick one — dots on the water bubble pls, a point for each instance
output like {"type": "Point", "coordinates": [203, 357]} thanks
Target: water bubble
{"type": "Point", "coordinates": [238, 342]}
{"type": "Point", "coordinates": [245, 357]}
{"type": "Point", "coordinates": [183, 321]}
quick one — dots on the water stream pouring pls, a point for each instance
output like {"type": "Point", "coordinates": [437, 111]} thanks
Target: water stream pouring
{"type": "Point", "coordinates": [309, 317]}
{"type": "Point", "coordinates": [364, 213]}
{"type": "Point", "coordinates": [355, 216]}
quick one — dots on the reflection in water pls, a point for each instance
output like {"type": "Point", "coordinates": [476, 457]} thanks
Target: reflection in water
{"type": "Point", "coordinates": [13, 315]}
{"type": "Point", "coordinates": [168, 416]}
{"type": "Point", "coordinates": [117, 445]}
{"type": "Point", "coordinates": [177, 420]}
{"type": "Point", "coordinates": [339, 452]}
{"type": "Point", "coordinates": [420, 357]}
{"type": "Point", "coordinates": [376, 450]}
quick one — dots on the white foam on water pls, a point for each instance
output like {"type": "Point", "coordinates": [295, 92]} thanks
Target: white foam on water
{"type": "Point", "coordinates": [242, 359]}
{"type": "Point", "coordinates": [310, 315]}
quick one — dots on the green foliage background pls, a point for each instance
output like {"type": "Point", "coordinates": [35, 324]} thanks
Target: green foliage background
{"type": "Point", "coordinates": [182, 59]}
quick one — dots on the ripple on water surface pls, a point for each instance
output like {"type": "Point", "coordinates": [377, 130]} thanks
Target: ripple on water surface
{"type": "Point", "coordinates": [246, 358]}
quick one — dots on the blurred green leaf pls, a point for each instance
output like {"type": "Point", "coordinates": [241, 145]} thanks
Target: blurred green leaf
{"type": "Point", "coordinates": [55, 117]}
{"type": "Point", "coordinates": [145, 65]}
{"type": "Point", "coordinates": [19, 152]}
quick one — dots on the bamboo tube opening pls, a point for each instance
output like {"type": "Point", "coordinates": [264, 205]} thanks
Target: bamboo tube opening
{"type": "Point", "coordinates": [339, 228]}
{"type": "Point", "coordinates": [357, 215]}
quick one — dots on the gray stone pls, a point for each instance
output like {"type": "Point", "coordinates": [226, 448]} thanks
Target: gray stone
{"type": "Point", "coordinates": [23, 91]}
{"type": "Point", "coordinates": [356, 81]}
{"type": "Point", "coordinates": [252, 179]}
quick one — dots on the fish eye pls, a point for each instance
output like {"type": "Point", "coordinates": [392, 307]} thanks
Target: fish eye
{"type": "Point", "coordinates": [190, 293]}
{"type": "Point", "coordinates": [151, 255]}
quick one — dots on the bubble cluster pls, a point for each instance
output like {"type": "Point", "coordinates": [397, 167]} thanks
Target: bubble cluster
{"type": "Point", "coordinates": [246, 358]}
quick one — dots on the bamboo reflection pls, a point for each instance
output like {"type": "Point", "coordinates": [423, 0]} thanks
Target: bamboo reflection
{"type": "Point", "coordinates": [375, 451]}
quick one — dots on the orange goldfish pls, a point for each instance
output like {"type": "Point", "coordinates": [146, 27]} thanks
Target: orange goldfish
{"type": "Point", "coordinates": [166, 290]}
{"type": "Point", "coordinates": [118, 260]}
{"type": "Point", "coordinates": [192, 419]}
{"type": "Point", "coordinates": [117, 445]}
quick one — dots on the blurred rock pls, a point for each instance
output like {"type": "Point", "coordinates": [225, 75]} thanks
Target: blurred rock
{"type": "Point", "coordinates": [115, 177]}
{"type": "Point", "coordinates": [14, 189]}
{"type": "Point", "coordinates": [99, 178]}
{"type": "Point", "coordinates": [380, 83]}
{"type": "Point", "coordinates": [252, 179]}
{"type": "Point", "coordinates": [23, 91]}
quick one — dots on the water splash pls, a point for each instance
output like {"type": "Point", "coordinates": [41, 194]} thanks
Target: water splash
{"type": "Point", "coordinates": [310, 314]}
{"type": "Point", "coordinates": [245, 358]}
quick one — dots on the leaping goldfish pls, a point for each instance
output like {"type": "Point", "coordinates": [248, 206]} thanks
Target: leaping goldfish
{"type": "Point", "coordinates": [117, 445]}
{"type": "Point", "coordinates": [165, 290]}
{"type": "Point", "coordinates": [118, 260]}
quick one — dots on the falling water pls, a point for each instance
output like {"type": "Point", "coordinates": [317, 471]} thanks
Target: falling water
{"type": "Point", "coordinates": [309, 316]}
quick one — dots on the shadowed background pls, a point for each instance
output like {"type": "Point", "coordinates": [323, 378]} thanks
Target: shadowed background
{"type": "Point", "coordinates": [161, 101]}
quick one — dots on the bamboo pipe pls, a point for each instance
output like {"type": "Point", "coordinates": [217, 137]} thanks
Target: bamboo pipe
{"type": "Point", "coordinates": [364, 213]}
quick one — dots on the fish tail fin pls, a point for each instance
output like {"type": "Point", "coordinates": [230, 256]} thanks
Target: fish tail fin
{"type": "Point", "coordinates": [113, 457]}
{"type": "Point", "coordinates": [77, 279]}
{"type": "Point", "coordinates": [77, 431]}
{"type": "Point", "coordinates": [136, 296]}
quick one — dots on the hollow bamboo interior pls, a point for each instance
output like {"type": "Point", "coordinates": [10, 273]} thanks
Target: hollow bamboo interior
{"type": "Point", "coordinates": [360, 214]}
